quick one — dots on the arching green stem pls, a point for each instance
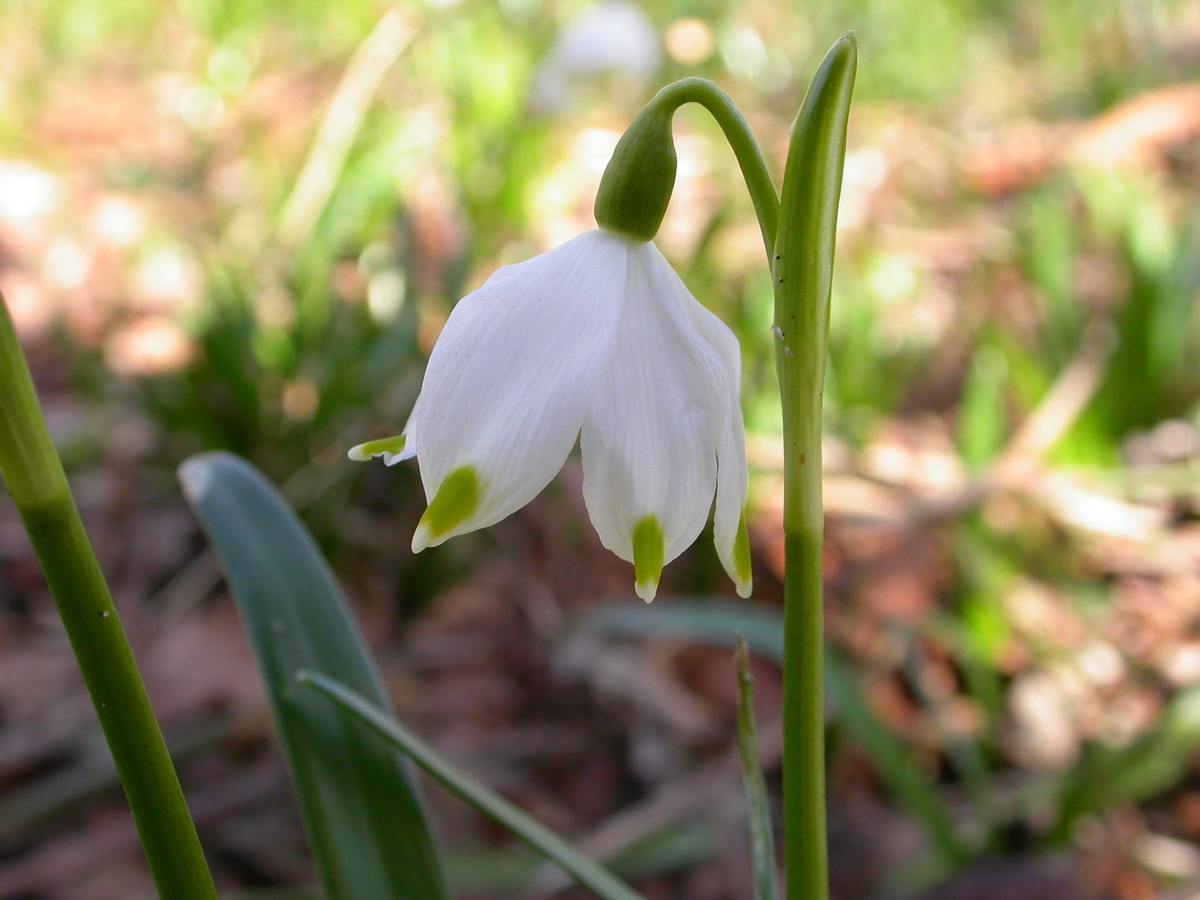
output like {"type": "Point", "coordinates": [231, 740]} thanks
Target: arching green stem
{"type": "Point", "coordinates": [741, 140]}
{"type": "Point", "coordinates": [39, 488]}
{"type": "Point", "coordinates": [803, 273]}
{"type": "Point", "coordinates": [737, 132]}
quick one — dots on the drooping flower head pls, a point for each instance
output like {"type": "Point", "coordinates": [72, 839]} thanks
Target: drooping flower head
{"type": "Point", "coordinates": [598, 340]}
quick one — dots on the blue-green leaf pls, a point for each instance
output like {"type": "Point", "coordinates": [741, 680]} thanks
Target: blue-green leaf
{"type": "Point", "coordinates": [360, 805]}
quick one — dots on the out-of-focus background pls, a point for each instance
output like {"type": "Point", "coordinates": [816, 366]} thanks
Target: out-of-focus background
{"type": "Point", "coordinates": [240, 224]}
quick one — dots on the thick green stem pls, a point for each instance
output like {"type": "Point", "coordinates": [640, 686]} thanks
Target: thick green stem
{"type": "Point", "coordinates": [39, 487]}
{"type": "Point", "coordinates": [802, 266]}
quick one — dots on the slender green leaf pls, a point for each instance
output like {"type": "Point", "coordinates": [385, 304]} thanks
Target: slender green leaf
{"type": "Point", "coordinates": [488, 802]}
{"type": "Point", "coordinates": [762, 836]}
{"type": "Point", "coordinates": [802, 270]}
{"type": "Point", "coordinates": [717, 623]}
{"type": "Point", "coordinates": [360, 804]}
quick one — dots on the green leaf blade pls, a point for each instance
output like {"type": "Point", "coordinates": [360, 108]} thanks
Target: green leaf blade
{"type": "Point", "coordinates": [803, 274]}
{"type": "Point", "coordinates": [762, 834]}
{"type": "Point", "coordinates": [359, 803]}
{"type": "Point", "coordinates": [592, 876]}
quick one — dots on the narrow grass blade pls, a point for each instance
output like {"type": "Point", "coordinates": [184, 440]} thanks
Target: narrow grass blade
{"type": "Point", "coordinates": [1153, 763]}
{"type": "Point", "coordinates": [587, 873]}
{"type": "Point", "coordinates": [715, 623]}
{"type": "Point", "coordinates": [762, 835]}
{"type": "Point", "coordinates": [360, 805]}
{"type": "Point", "coordinates": [803, 275]}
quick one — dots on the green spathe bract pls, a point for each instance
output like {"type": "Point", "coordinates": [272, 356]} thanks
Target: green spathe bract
{"type": "Point", "coordinates": [803, 271]}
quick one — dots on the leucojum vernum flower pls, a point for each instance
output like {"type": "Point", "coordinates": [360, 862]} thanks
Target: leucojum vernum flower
{"type": "Point", "coordinates": [597, 339]}
{"type": "Point", "coordinates": [600, 340]}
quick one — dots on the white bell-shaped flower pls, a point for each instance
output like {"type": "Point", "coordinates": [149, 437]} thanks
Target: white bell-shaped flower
{"type": "Point", "coordinates": [598, 339]}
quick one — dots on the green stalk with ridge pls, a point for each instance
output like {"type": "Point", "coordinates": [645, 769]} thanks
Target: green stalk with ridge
{"type": "Point", "coordinates": [798, 230]}
{"type": "Point", "coordinates": [39, 489]}
{"type": "Point", "coordinates": [802, 271]}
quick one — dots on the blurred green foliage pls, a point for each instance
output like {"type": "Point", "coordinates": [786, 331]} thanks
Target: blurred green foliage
{"type": "Point", "coordinates": [960, 299]}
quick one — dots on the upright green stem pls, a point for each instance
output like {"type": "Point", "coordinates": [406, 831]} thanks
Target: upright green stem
{"type": "Point", "coordinates": [39, 488]}
{"type": "Point", "coordinates": [803, 269]}
{"type": "Point", "coordinates": [798, 233]}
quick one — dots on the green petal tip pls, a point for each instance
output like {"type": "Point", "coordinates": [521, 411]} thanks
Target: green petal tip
{"type": "Point", "coordinates": [456, 500]}
{"type": "Point", "coordinates": [742, 574]}
{"type": "Point", "coordinates": [647, 557]}
{"type": "Point", "coordinates": [389, 448]}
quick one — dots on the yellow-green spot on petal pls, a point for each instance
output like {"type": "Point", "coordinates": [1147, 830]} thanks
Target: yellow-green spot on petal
{"type": "Point", "coordinates": [389, 446]}
{"type": "Point", "coordinates": [647, 557]}
{"type": "Point", "coordinates": [741, 556]}
{"type": "Point", "coordinates": [455, 502]}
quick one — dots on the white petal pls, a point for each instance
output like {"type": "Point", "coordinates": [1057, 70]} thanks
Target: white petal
{"type": "Point", "coordinates": [410, 437]}
{"type": "Point", "coordinates": [650, 438]}
{"type": "Point", "coordinates": [511, 374]}
{"type": "Point", "coordinates": [729, 523]}
{"type": "Point", "coordinates": [729, 517]}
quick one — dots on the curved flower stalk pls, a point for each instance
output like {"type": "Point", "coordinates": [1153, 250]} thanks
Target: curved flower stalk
{"type": "Point", "coordinates": [598, 339]}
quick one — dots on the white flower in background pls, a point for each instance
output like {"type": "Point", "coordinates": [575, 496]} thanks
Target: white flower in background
{"type": "Point", "coordinates": [598, 339]}
{"type": "Point", "coordinates": [614, 37]}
